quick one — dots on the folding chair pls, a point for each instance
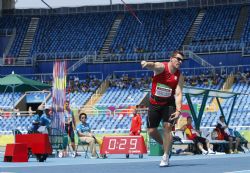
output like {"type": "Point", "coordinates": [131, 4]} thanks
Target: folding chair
{"type": "Point", "coordinates": [85, 147]}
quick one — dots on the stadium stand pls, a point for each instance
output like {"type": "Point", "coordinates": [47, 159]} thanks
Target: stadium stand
{"type": "Point", "coordinates": [77, 35]}
{"type": "Point", "coordinates": [22, 123]}
{"type": "Point", "coordinates": [64, 34]}
{"type": "Point", "coordinates": [218, 23]}
{"type": "Point", "coordinates": [159, 31]}
{"type": "Point", "coordinates": [20, 23]}
{"type": "Point", "coordinates": [123, 92]}
{"type": "Point", "coordinates": [245, 37]}
{"type": "Point", "coordinates": [215, 33]}
{"type": "Point", "coordinates": [7, 101]}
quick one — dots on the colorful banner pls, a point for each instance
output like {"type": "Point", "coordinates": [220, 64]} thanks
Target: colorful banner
{"type": "Point", "coordinates": [59, 94]}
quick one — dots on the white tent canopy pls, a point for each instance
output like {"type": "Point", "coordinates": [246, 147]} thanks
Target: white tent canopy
{"type": "Point", "coordinates": [26, 4]}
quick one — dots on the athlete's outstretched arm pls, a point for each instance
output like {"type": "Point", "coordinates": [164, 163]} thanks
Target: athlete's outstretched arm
{"type": "Point", "coordinates": [157, 67]}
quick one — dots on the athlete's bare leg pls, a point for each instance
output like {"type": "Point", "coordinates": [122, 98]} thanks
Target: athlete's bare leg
{"type": "Point", "coordinates": [155, 134]}
{"type": "Point", "coordinates": [167, 137]}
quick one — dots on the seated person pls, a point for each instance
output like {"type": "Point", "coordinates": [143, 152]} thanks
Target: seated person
{"type": "Point", "coordinates": [36, 120]}
{"type": "Point", "coordinates": [243, 141]}
{"type": "Point", "coordinates": [46, 118]}
{"type": "Point", "coordinates": [224, 134]}
{"type": "Point", "coordinates": [39, 120]}
{"type": "Point", "coordinates": [194, 135]}
{"type": "Point", "coordinates": [85, 134]}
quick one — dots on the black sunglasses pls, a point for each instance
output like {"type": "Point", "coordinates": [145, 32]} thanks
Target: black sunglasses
{"type": "Point", "coordinates": [179, 59]}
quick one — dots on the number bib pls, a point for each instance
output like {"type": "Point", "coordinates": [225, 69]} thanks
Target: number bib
{"type": "Point", "coordinates": [163, 90]}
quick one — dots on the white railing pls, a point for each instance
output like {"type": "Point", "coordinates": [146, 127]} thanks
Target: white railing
{"type": "Point", "coordinates": [211, 48]}
{"type": "Point", "coordinates": [78, 64]}
{"type": "Point", "coordinates": [131, 57]}
{"type": "Point", "coordinates": [94, 57]}
{"type": "Point", "coordinates": [92, 111]}
{"type": "Point", "coordinates": [15, 61]}
{"type": "Point", "coordinates": [142, 111]}
{"type": "Point", "coordinates": [48, 76]}
{"type": "Point", "coordinates": [232, 127]}
{"type": "Point", "coordinates": [219, 70]}
{"type": "Point", "coordinates": [199, 60]}
{"type": "Point", "coordinates": [191, 71]}
{"type": "Point", "coordinates": [52, 56]}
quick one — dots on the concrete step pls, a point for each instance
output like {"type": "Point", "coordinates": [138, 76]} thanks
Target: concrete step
{"type": "Point", "coordinates": [25, 49]}
{"type": "Point", "coordinates": [194, 28]}
{"type": "Point", "coordinates": [111, 35]}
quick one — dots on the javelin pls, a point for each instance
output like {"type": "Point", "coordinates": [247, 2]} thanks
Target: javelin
{"type": "Point", "coordinates": [130, 9]}
{"type": "Point", "coordinates": [47, 4]}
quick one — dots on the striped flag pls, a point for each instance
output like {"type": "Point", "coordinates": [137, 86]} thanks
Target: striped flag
{"type": "Point", "coordinates": [59, 94]}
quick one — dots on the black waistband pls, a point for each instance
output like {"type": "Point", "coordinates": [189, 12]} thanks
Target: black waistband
{"type": "Point", "coordinates": [161, 99]}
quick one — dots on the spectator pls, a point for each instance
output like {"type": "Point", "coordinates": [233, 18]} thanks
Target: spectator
{"type": "Point", "coordinates": [122, 49]}
{"type": "Point", "coordinates": [76, 79]}
{"type": "Point", "coordinates": [47, 115]}
{"type": "Point", "coordinates": [224, 134]}
{"type": "Point", "coordinates": [85, 134]}
{"type": "Point", "coordinates": [70, 125]}
{"type": "Point", "coordinates": [1, 112]}
{"type": "Point", "coordinates": [243, 141]}
{"type": "Point", "coordinates": [136, 123]}
{"type": "Point", "coordinates": [17, 111]}
{"type": "Point", "coordinates": [30, 112]}
{"type": "Point", "coordinates": [195, 136]}
{"type": "Point", "coordinates": [39, 120]}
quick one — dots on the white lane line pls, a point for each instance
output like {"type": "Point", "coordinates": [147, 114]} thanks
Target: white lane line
{"type": "Point", "coordinates": [242, 171]}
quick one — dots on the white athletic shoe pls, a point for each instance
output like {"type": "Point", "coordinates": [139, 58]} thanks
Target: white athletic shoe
{"type": "Point", "coordinates": [204, 152]}
{"type": "Point", "coordinates": [210, 151]}
{"type": "Point", "coordinates": [93, 157]}
{"type": "Point", "coordinates": [164, 161]}
{"type": "Point", "coordinates": [246, 150]}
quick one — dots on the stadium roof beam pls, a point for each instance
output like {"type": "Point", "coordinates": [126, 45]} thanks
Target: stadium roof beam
{"type": "Point", "coordinates": [191, 91]}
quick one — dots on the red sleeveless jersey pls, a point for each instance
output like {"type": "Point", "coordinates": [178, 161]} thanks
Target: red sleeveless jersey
{"type": "Point", "coordinates": [164, 84]}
